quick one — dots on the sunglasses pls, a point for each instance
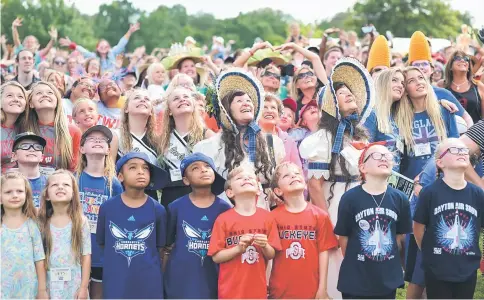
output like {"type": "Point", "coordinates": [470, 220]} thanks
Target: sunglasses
{"type": "Point", "coordinates": [455, 151]}
{"type": "Point", "coordinates": [27, 146]}
{"type": "Point", "coordinates": [270, 74]}
{"type": "Point", "coordinates": [379, 156]}
{"type": "Point", "coordinates": [59, 62]}
{"type": "Point", "coordinates": [304, 75]}
{"type": "Point", "coordinates": [461, 58]}
{"type": "Point", "coordinates": [421, 65]}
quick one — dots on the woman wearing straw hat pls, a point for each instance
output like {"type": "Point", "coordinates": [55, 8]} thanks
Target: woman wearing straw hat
{"type": "Point", "coordinates": [238, 100]}
{"type": "Point", "coordinates": [345, 103]}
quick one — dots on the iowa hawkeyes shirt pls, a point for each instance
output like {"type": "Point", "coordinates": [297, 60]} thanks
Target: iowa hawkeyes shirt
{"type": "Point", "coordinates": [303, 236]}
{"type": "Point", "coordinates": [245, 275]}
{"type": "Point", "coordinates": [131, 238]}
{"type": "Point", "coordinates": [190, 273]}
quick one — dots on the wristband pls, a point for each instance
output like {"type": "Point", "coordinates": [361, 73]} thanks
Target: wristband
{"type": "Point", "coordinates": [72, 46]}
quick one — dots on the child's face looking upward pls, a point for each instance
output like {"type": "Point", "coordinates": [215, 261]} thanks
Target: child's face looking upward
{"type": "Point", "coordinates": [199, 174]}
{"type": "Point", "coordinates": [290, 180]}
{"type": "Point", "coordinates": [135, 173]}
{"type": "Point", "coordinates": [243, 183]}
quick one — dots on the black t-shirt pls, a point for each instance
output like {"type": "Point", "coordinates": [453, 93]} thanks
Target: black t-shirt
{"type": "Point", "coordinates": [371, 266]}
{"type": "Point", "coordinates": [450, 245]}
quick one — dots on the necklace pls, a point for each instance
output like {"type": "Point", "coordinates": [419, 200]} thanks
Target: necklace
{"type": "Point", "coordinates": [381, 201]}
{"type": "Point", "coordinates": [457, 86]}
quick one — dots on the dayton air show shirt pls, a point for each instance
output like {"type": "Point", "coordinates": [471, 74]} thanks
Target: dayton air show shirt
{"type": "Point", "coordinates": [190, 272]}
{"type": "Point", "coordinates": [371, 266]}
{"type": "Point", "coordinates": [295, 271]}
{"type": "Point", "coordinates": [132, 238]}
{"type": "Point", "coordinates": [453, 219]}
{"type": "Point", "coordinates": [245, 275]}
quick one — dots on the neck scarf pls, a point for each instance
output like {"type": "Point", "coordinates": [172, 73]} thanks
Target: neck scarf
{"type": "Point", "coordinates": [250, 135]}
{"type": "Point", "coordinates": [343, 125]}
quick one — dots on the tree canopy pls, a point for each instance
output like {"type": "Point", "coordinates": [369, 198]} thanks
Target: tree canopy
{"type": "Point", "coordinates": [166, 25]}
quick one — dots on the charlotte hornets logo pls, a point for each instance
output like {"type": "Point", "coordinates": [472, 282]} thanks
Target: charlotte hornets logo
{"type": "Point", "coordinates": [130, 243]}
{"type": "Point", "coordinates": [198, 240]}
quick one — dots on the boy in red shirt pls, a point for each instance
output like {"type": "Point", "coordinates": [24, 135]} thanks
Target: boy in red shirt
{"type": "Point", "coordinates": [244, 238]}
{"type": "Point", "coordinates": [300, 270]}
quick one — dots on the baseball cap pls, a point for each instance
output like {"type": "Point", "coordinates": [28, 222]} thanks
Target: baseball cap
{"type": "Point", "coordinates": [28, 136]}
{"type": "Point", "coordinates": [305, 107]}
{"type": "Point", "coordinates": [99, 128]}
{"type": "Point", "coordinates": [219, 182]}
{"type": "Point", "coordinates": [290, 103]}
{"type": "Point", "coordinates": [158, 177]}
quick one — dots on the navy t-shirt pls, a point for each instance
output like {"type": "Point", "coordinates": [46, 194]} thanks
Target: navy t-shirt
{"type": "Point", "coordinates": [37, 185]}
{"type": "Point", "coordinates": [452, 220]}
{"type": "Point", "coordinates": [190, 273]}
{"type": "Point", "coordinates": [131, 238]}
{"type": "Point", "coordinates": [426, 142]}
{"type": "Point", "coordinates": [94, 191]}
{"type": "Point", "coordinates": [371, 266]}
{"type": "Point", "coordinates": [443, 94]}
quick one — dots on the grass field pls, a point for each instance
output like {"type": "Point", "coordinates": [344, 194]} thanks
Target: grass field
{"type": "Point", "coordinates": [478, 294]}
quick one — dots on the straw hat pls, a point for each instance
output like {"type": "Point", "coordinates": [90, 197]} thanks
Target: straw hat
{"type": "Point", "coordinates": [379, 54]}
{"type": "Point", "coordinates": [236, 79]}
{"type": "Point", "coordinates": [276, 57]}
{"type": "Point", "coordinates": [419, 48]}
{"type": "Point", "coordinates": [179, 53]}
{"type": "Point", "coordinates": [352, 73]}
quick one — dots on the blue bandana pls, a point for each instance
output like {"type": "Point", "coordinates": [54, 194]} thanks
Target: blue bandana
{"type": "Point", "coordinates": [250, 134]}
{"type": "Point", "coordinates": [343, 124]}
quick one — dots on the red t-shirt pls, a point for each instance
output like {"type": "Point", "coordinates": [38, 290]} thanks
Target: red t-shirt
{"type": "Point", "coordinates": [295, 270]}
{"type": "Point", "coordinates": [245, 275]}
{"type": "Point", "coordinates": [51, 156]}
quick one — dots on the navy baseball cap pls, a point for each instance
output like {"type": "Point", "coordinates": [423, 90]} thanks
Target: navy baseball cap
{"type": "Point", "coordinates": [28, 136]}
{"type": "Point", "coordinates": [99, 128]}
{"type": "Point", "coordinates": [158, 177]}
{"type": "Point", "coordinates": [219, 182]}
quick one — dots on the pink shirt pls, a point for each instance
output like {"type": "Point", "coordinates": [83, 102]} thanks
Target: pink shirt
{"type": "Point", "coordinates": [292, 153]}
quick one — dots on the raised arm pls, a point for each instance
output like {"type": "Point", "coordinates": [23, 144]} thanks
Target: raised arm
{"type": "Point", "coordinates": [53, 39]}
{"type": "Point", "coordinates": [66, 42]}
{"type": "Point", "coordinates": [311, 56]}
{"type": "Point", "coordinates": [244, 57]}
{"type": "Point", "coordinates": [121, 46]}
{"type": "Point", "coordinates": [16, 38]}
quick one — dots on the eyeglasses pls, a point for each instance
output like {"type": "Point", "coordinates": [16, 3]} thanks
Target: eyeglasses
{"type": "Point", "coordinates": [424, 64]}
{"type": "Point", "coordinates": [461, 58]}
{"type": "Point", "coordinates": [59, 62]}
{"type": "Point", "coordinates": [107, 85]}
{"type": "Point", "coordinates": [455, 151]}
{"type": "Point", "coordinates": [96, 140]}
{"type": "Point", "coordinates": [270, 74]}
{"type": "Point", "coordinates": [380, 156]}
{"type": "Point", "coordinates": [28, 146]}
{"type": "Point", "coordinates": [304, 75]}
{"type": "Point", "coordinates": [86, 85]}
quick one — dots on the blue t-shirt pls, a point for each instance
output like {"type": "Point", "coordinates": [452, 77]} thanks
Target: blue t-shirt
{"type": "Point", "coordinates": [443, 94]}
{"type": "Point", "coordinates": [452, 219]}
{"type": "Point", "coordinates": [375, 135]}
{"type": "Point", "coordinates": [131, 238]}
{"type": "Point", "coordinates": [190, 273]}
{"type": "Point", "coordinates": [371, 266]}
{"type": "Point", "coordinates": [94, 191]}
{"type": "Point", "coordinates": [37, 185]}
{"type": "Point", "coordinates": [426, 142]}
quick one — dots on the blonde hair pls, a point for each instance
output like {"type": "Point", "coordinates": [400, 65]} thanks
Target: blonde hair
{"type": "Point", "coordinates": [20, 122]}
{"type": "Point", "coordinates": [63, 139]}
{"type": "Point", "coordinates": [49, 72]}
{"type": "Point", "coordinates": [405, 113]}
{"type": "Point", "coordinates": [28, 209]}
{"type": "Point", "coordinates": [75, 213]}
{"type": "Point", "coordinates": [269, 97]}
{"type": "Point", "coordinates": [197, 129]}
{"type": "Point", "coordinates": [125, 138]}
{"type": "Point", "coordinates": [276, 175]}
{"type": "Point", "coordinates": [236, 171]}
{"type": "Point", "coordinates": [175, 82]}
{"type": "Point", "coordinates": [295, 92]}
{"type": "Point", "coordinates": [151, 68]}
{"type": "Point", "coordinates": [82, 101]}
{"type": "Point", "coordinates": [384, 105]}
{"type": "Point", "coordinates": [109, 168]}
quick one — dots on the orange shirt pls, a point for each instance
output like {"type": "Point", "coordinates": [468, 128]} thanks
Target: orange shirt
{"type": "Point", "coordinates": [211, 123]}
{"type": "Point", "coordinates": [295, 270]}
{"type": "Point", "coordinates": [245, 275]}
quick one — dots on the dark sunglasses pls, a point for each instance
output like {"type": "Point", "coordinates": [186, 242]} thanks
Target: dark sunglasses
{"type": "Point", "coordinates": [270, 74]}
{"type": "Point", "coordinates": [304, 75]}
{"type": "Point", "coordinates": [461, 58]}
{"type": "Point", "coordinates": [26, 147]}
{"type": "Point", "coordinates": [59, 62]}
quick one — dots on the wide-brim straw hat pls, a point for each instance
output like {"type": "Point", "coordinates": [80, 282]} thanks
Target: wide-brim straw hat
{"type": "Point", "coordinates": [240, 80]}
{"type": "Point", "coordinates": [355, 76]}
{"type": "Point", "coordinates": [179, 53]}
{"type": "Point", "coordinates": [277, 58]}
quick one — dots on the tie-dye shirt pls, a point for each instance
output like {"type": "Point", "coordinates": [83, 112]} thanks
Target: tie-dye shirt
{"type": "Point", "coordinates": [63, 257]}
{"type": "Point", "coordinates": [7, 137]}
{"type": "Point", "coordinates": [20, 249]}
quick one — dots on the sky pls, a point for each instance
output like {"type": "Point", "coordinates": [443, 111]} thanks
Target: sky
{"type": "Point", "coordinates": [318, 9]}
